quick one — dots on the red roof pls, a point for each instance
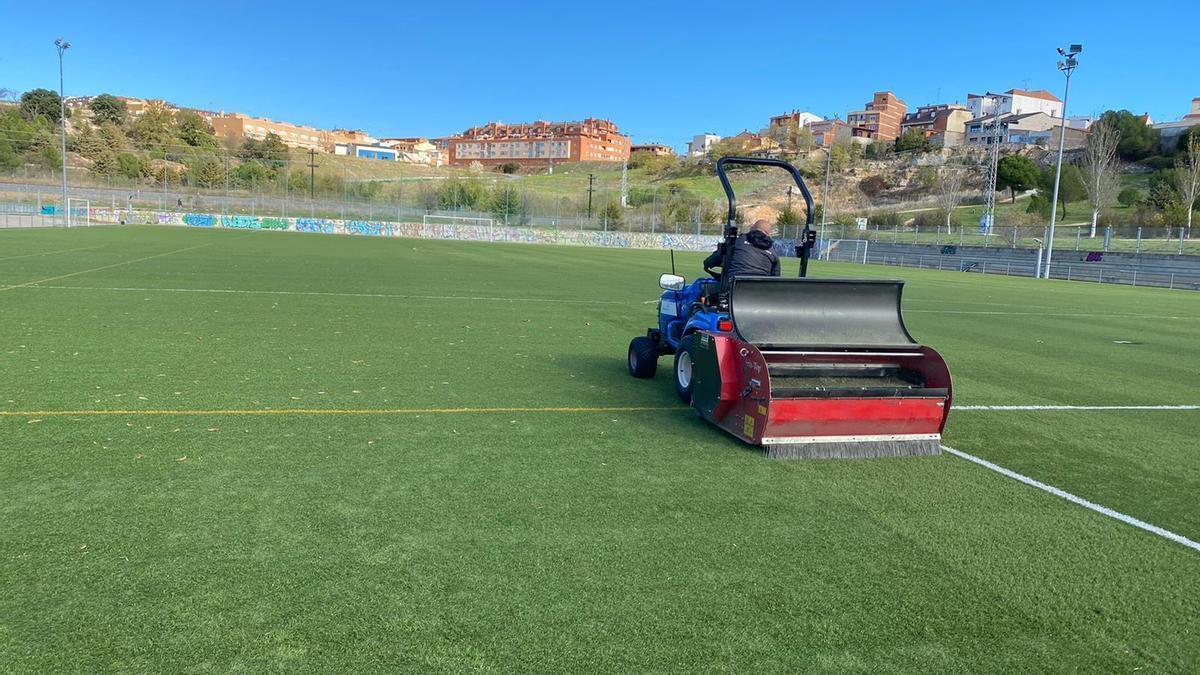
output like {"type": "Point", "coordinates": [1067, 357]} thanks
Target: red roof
{"type": "Point", "coordinates": [1037, 93]}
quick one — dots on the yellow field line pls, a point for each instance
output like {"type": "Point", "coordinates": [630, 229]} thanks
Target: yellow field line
{"type": "Point", "coordinates": [34, 255]}
{"type": "Point", "coordinates": [97, 269]}
{"type": "Point", "coordinates": [338, 411]}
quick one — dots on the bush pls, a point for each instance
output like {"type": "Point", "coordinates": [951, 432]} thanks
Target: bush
{"type": "Point", "coordinates": [932, 220]}
{"type": "Point", "coordinates": [1131, 197]}
{"type": "Point", "coordinates": [873, 186]}
{"type": "Point", "coordinates": [886, 220]}
{"type": "Point", "coordinates": [508, 167]}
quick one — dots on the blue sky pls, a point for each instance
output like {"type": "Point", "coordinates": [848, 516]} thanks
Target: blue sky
{"type": "Point", "coordinates": [661, 70]}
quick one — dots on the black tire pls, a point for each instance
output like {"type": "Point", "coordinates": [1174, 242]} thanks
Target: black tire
{"type": "Point", "coordinates": [684, 372]}
{"type": "Point", "coordinates": [643, 357]}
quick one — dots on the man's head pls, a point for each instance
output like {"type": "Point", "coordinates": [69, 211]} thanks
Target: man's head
{"type": "Point", "coordinates": [762, 225]}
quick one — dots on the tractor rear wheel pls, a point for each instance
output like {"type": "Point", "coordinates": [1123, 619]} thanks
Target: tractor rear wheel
{"type": "Point", "coordinates": [643, 357]}
{"type": "Point", "coordinates": [685, 375]}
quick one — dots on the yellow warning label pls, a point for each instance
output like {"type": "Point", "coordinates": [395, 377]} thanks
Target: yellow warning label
{"type": "Point", "coordinates": [762, 410]}
{"type": "Point", "coordinates": [748, 426]}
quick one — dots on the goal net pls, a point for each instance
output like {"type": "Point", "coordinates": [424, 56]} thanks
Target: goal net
{"type": "Point", "coordinates": [79, 212]}
{"type": "Point", "coordinates": [846, 250]}
{"type": "Point", "coordinates": [456, 220]}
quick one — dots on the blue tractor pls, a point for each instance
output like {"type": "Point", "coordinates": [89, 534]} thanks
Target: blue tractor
{"type": "Point", "coordinates": [805, 368]}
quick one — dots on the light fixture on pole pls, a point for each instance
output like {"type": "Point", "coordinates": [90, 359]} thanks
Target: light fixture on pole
{"type": "Point", "coordinates": [1067, 65]}
{"type": "Point", "coordinates": [63, 46]}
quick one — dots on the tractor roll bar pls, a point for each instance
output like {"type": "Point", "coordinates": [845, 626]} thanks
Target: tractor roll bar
{"type": "Point", "coordinates": [731, 231]}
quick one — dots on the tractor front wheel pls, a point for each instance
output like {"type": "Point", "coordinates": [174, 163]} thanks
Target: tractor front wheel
{"type": "Point", "coordinates": [685, 372]}
{"type": "Point", "coordinates": [643, 357]}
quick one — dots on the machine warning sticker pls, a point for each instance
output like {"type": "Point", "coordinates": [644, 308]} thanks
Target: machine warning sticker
{"type": "Point", "coordinates": [704, 339]}
{"type": "Point", "coordinates": [762, 410]}
{"type": "Point", "coordinates": [748, 426]}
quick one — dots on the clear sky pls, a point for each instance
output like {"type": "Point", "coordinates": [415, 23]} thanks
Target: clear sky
{"type": "Point", "coordinates": [662, 71]}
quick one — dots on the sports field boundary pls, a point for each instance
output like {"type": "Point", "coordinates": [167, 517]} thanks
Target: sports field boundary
{"type": "Point", "coordinates": [1075, 499]}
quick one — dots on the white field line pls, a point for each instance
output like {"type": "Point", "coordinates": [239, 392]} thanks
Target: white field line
{"type": "Point", "coordinates": [34, 255]}
{"type": "Point", "coordinates": [525, 299]}
{"type": "Point", "coordinates": [1103, 510]}
{"type": "Point", "coordinates": [27, 284]}
{"type": "Point", "coordinates": [1075, 407]}
{"type": "Point", "coordinates": [406, 296]}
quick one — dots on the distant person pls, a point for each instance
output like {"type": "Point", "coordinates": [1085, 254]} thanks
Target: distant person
{"type": "Point", "coordinates": [752, 254]}
{"type": "Point", "coordinates": [179, 202]}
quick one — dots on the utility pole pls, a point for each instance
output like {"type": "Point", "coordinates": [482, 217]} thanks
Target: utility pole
{"type": "Point", "coordinates": [995, 137]}
{"type": "Point", "coordinates": [1067, 66]}
{"type": "Point", "coordinates": [591, 181]}
{"type": "Point", "coordinates": [625, 184]}
{"type": "Point", "coordinates": [63, 46]}
{"type": "Point", "coordinates": [825, 191]}
{"type": "Point", "coordinates": [312, 174]}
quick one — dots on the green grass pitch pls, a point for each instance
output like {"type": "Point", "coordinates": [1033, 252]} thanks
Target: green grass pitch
{"type": "Point", "coordinates": [437, 540]}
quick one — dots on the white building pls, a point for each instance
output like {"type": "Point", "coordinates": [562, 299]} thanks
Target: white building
{"type": "Point", "coordinates": [366, 151]}
{"type": "Point", "coordinates": [701, 144]}
{"type": "Point", "coordinates": [1169, 132]}
{"type": "Point", "coordinates": [1014, 102]}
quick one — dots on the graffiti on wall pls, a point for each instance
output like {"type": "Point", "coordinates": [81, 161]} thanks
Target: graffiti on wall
{"type": "Point", "coordinates": [493, 233]}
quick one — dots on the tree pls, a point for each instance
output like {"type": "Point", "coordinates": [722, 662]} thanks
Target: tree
{"type": "Point", "coordinates": [874, 185]}
{"type": "Point", "coordinates": [107, 108]}
{"type": "Point", "coordinates": [1016, 172]}
{"type": "Point", "coordinates": [1101, 171]}
{"type": "Point", "coordinates": [1162, 189]}
{"type": "Point", "coordinates": [508, 167]}
{"type": "Point", "coordinates": [506, 203]}
{"type": "Point", "coordinates": [129, 165]}
{"type": "Point", "coordinates": [210, 174]}
{"type": "Point", "coordinates": [611, 213]}
{"type": "Point", "coordinates": [1131, 197]}
{"type": "Point", "coordinates": [37, 103]}
{"type": "Point", "coordinates": [152, 130]}
{"type": "Point", "coordinates": [912, 139]}
{"type": "Point", "coordinates": [951, 180]}
{"type": "Point", "coordinates": [1070, 185]}
{"type": "Point", "coordinates": [1186, 138]}
{"type": "Point", "coordinates": [1187, 177]}
{"type": "Point", "coordinates": [1138, 140]}
{"type": "Point", "coordinates": [456, 193]}
{"type": "Point", "coordinates": [788, 216]}
{"type": "Point", "coordinates": [193, 130]}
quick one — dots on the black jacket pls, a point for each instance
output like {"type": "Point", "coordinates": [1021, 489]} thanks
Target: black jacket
{"type": "Point", "coordinates": [752, 256]}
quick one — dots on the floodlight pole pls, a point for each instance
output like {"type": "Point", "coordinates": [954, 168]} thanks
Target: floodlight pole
{"type": "Point", "coordinates": [1068, 67]}
{"type": "Point", "coordinates": [825, 191]}
{"type": "Point", "coordinates": [63, 46]}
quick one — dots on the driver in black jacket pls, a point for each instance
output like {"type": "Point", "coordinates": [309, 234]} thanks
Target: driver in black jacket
{"type": "Point", "coordinates": [752, 254]}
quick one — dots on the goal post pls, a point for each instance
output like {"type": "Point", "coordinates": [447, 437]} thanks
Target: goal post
{"type": "Point", "coordinates": [79, 211]}
{"type": "Point", "coordinates": [846, 250]}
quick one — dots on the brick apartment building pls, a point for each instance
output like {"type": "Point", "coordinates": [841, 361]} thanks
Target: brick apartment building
{"type": "Point", "coordinates": [591, 140]}
{"type": "Point", "coordinates": [826, 132]}
{"type": "Point", "coordinates": [944, 124]}
{"type": "Point", "coordinates": [880, 120]}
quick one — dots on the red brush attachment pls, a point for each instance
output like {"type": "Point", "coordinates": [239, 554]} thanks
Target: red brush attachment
{"type": "Point", "coordinates": [806, 396]}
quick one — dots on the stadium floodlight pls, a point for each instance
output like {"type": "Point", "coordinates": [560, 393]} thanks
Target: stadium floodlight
{"type": "Point", "coordinates": [62, 46]}
{"type": "Point", "coordinates": [1067, 66]}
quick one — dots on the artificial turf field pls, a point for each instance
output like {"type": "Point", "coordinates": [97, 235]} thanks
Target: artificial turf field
{"type": "Point", "coordinates": [458, 528]}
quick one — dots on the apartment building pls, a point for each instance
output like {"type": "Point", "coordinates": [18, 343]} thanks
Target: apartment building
{"type": "Point", "coordinates": [880, 119]}
{"type": "Point", "coordinates": [783, 127]}
{"type": "Point", "coordinates": [1035, 128]}
{"type": "Point", "coordinates": [944, 124]}
{"type": "Point", "coordinates": [701, 144]}
{"type": "Point", "coordinates": [1014, 102]}
{"type": "Point", "coordinates": [656, 149]}
{"type": "Point", "coordinates": [236, 126]}
{"type": "Point", "coordinates": [416, 150]}
{"type": "Point", "coordinates": [590, 140]}
{"type": "Point", "coordinates": [826, 132]}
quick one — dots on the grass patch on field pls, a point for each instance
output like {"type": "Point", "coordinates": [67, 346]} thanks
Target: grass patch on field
{"type": "Point", "coordinates": [553, 541]}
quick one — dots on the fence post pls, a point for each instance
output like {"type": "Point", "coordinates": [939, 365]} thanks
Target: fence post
{"type": "Point", "coordinates": [1068, 272]}
{"type": "Point", "coordinates": [1135, 276]}
{"type": "Point", "coordinates": [1100, 274]}
{"type": "Point", "coordinates": [1180, 241]}
{"type": "Point", "coordinates": [984, 270]}
{"type": "Point", "coordinates": [1139, 240]}
{"type": "Point", "coordinates": [1171, 284]}
{"type": "Point", "coordinates": [1079, 232]}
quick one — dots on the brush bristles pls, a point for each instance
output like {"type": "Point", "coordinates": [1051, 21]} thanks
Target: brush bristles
{"type": "Point", "coordinates": [854, 450]}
